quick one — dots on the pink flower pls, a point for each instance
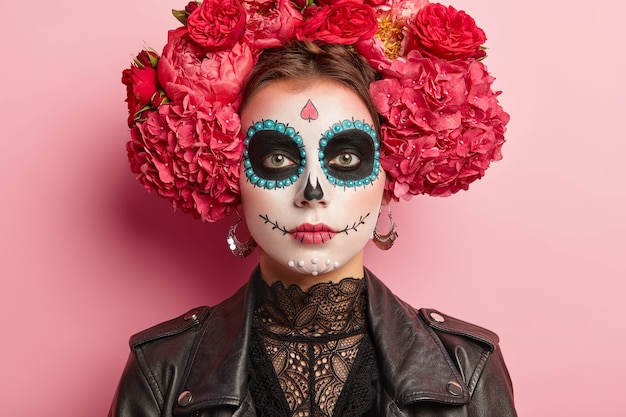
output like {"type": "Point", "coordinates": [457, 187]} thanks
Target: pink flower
{"type": "Point", "coordinates": [217, 24]}
{"type": "Point", "coordinates": [271, 23]}
{"type": "Point", "coordinates": [191, 157]}
{"type": "Point", "coordinates": [374, 3]}
{"type": "Point", "coordinates": [141, 84]}
{"type": "Point", "coordinates": [385, 93]}
{"type": "Point", "coordinates": [343, 22]}
{"type": "Point", "coordinates": [186, 69]}
{"type": "Point", "coordinates": [405, 10]}
{"type": "Point", "coordinates": [147, 152]}
{"type": "Point", "coordinates": [389, 40]}
{"type": "Point", "coordinates": [444, 32]}
{"type": "Point", "coordinates": [443, 125]}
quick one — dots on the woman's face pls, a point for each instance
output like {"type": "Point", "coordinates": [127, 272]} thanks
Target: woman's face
{"type": "Point", "coordinates": [311, 182]}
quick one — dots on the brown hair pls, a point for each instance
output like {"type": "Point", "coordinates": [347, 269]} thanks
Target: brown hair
{"type": "Point", "coordinates": [301, 60]}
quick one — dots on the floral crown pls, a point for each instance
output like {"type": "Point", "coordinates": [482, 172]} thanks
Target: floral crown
{"type": "Point", "coordinates": [441, 121]}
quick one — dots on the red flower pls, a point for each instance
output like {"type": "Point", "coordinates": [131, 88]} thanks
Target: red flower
{"type": "Point", "coordinates": [189, 156]}
{"type": "Point", "coordinates": [191, 6]}
{"type": "Point", "coordinates": [141, 84]}
{"type": "Point", "coordinates": [300, 4]}
{"type": "Point", "coordinates": [186, 69]}
{"type": "Point", "coordinates": [344, 22]}
{"type": "Point", "coordinates": [217, 24]}
{"type": "Point", "coordinates": [443, 125]}
{"type": "Point", "coordinates": [271, 23]}
{"type": "Point", "coordinates": [443, 32]}
{"type": "Point", "coordinates": [322, 3]}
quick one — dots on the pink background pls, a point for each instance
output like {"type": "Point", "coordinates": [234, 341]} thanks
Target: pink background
{"type": "Point", "coordinates": [535, 252]}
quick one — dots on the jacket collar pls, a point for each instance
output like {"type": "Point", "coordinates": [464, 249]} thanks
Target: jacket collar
{"type": "Point", "coordinates": [412, 360]}
{"type": "Point", "coordinates": [413, 363]}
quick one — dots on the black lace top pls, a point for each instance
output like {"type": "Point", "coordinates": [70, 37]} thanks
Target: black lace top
{"type": "Point", "coordinates": [310, 353]}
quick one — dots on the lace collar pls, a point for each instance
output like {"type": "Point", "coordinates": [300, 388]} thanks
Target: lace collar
{"type": "Point", "coordinates": [325, 310]}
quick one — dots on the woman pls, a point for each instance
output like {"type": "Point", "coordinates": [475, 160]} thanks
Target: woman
{"type": "Point", "coordinates": [328, 127]}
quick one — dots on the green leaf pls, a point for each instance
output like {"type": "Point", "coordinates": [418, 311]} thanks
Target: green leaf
{"type": "Point", "coordinates": [154, 59]}
{"type": "Point", "coordinates": [181, 16]}
{"type": "Point", "coordinates": [137, 62]}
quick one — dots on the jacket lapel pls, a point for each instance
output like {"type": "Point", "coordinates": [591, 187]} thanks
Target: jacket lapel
{"type": "Point", "coordinates": [217, 369]}
{"type": "Point", "coordinates": [414, 365]}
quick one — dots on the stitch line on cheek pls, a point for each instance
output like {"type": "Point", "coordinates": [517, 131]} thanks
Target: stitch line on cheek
{"type": "Point", "coordinates": [275, 225]}
{"type": "Point", "coordinates": [355, 225]}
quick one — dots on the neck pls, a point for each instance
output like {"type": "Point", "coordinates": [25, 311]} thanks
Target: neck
{"type": "Point", "coordinates": [271, 271]}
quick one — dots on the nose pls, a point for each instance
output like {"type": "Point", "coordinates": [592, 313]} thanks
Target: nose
{"type": "Point", "coordinates": [311, 193]}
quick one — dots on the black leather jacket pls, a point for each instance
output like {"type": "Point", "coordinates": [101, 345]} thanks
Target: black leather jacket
{"type": "Point", "coordinates": [431, 364]}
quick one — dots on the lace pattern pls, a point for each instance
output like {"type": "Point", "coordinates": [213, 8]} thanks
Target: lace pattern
{"type": "Point", "coordinates": [310, 353]}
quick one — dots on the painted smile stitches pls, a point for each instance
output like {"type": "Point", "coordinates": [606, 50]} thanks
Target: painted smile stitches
{"type": "Point", "coordinates": [312, 234]}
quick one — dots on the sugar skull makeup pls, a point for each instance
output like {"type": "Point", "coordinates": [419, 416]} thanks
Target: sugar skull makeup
{"type": "Point", "coordinates": [311, 183]}
{"type": "Point", "coordinates": [349, 154]}
{"type": "Point", "coordinates": [275, 154]}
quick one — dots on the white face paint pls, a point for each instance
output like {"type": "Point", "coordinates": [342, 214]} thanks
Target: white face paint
{"type": "Point", "coordinates": [311, 186]}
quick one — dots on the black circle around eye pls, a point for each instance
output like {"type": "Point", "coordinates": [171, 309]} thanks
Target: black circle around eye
{"type": "Point", "coordinates": [268, 147]}
{"type": "Point", "coordinates": [352, 144]}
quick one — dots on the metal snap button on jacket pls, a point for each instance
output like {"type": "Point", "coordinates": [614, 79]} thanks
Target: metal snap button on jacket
{"type": "Point", "coordinates": [185, 398]}
{"type": "Point", "coordinates": [192, 315]}
{"type": "Point", "coordinates": [454, 388]}
{"type": "Point", "coordinates": [437, 317]}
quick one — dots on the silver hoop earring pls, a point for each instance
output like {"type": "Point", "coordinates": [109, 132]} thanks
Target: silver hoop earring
{"type": "Point", "coordinates": [385, 242]}
{"type": "Point", "coordinates": [238, 248]}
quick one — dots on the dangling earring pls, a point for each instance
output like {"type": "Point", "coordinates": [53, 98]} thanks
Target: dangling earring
{"type": "Point", "coordinates": [238, 248]}
{"type": "Point", "coordinates": [385, 242]}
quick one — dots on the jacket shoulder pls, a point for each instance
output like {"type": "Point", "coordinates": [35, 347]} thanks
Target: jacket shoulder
{"type": "Point", "coordinates": [171, 327]}
{"type": "Point", "coordinates": [441, 322]}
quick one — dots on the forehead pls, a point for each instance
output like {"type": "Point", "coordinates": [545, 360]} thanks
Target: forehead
{"type": "Point", "coordinates": [284, 101]}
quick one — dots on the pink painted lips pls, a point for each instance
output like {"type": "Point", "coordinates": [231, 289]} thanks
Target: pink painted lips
{"type": "Point", "coordinates": [312, 234]}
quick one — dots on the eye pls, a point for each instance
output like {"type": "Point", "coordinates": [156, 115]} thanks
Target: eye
{"type": "Point", "coordinates": [277, 161]}
{"type": "Point", "coordinates": [349, 156]}
{"type": "Point", "coordinates": [345, 160]}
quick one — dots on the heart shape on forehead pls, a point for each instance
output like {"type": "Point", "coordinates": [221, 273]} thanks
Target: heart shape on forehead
{"type": "Point", "coordinates": [309, 112]}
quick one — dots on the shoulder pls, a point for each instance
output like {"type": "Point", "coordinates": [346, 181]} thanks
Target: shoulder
{"type": "Point", "coordinates": [444, 324]}
{"type": "Point", "coordinates": [169, 328]}
{"type": "Point", "coordinates": [477, 355]}
{"type": "Point", "coordinates": [187, 325]}
{"type": "Point", "coordinates": [472, 348]}
{"type": "Point", "coordinates": [383, 302]}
